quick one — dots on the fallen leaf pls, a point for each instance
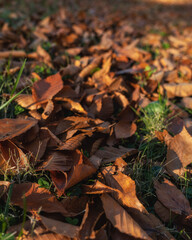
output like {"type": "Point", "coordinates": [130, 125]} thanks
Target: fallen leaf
{"type": "Point", "coordinates": [110, 154]}
{"type": "Point", "coordinates": [12, 159]}
{"type": "Point", "coordinates": [4, 186]}
{"type": "Point", "coordinates": [92, 214]}
{"type": "Point", "coordinates": [48, 110]}
{"type": "Point", "coordinates": [59, 227]}
{"type": "Point", "coordinates": [178, 153]}
{"type": "Point", "coordinates": [58, 161]}
{"type": "Point", "coordinates": [163, 212]}
{"type": "Point", "coordinates": [45, 89]}
{"type": "Point", "coordinates": [37, 198]}
{"type": "Point", "coordinates": [73, 106]}
{"type": "Point", "coordinates": [74, 142]}
{"type": "Point", "coordinates": [121, 219]}
{"type": "Point", "coordinates": [11, 128]}
{"type": "Point", "coordinates": [172, 198]}
{"type": "Point", "coordinates": [81, 169]}
{"type": "Point", "coordinates": [176, 90]}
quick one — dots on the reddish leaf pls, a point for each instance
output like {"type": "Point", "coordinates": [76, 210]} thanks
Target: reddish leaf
{"type": "Point", "coordinates": [45, 89]}
{"type": "Point", "coordinates": [36, 198]}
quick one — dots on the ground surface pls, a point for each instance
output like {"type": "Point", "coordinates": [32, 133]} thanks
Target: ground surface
{"type": "Point", "coordinates": [95, 128]}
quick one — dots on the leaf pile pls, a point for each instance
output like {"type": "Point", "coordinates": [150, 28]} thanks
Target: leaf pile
{"type": "Point", "coordinates": [68, 159]}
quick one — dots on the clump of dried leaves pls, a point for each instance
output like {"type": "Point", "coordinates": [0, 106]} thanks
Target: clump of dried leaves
{"type": "Point", "coordinates": [90, 73]}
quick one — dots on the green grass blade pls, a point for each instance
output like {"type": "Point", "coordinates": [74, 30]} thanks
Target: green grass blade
{"type": "Point", "coordinates": [18, 77]}
{"type": "Point", "coordinates": [11, 99]}
{"type": "Point", "coordinates": [4, 225]}
{"type": "Point", "coordinates": [24, 217]}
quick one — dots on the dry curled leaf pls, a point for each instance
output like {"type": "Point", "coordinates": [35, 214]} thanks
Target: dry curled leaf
{"type": "Point", "coordinates": [81, 169]}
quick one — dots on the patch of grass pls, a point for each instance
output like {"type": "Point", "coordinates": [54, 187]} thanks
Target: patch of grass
{"type": "Point", "coordinates": [149, 71]}
{"type": "Point", "coordinates": [153, 51]}
{"type": "Point", "coordinates": [95, 70]}
{"type": "Point", "coordinates": [8, 216]}
{"type": "Point", "coordinates": [156, 31]}
{"type": "Point", "coordinates": [77, 57]}
{"type": "Point", "coordinates": [43, 70]}
{"type": "Point", "coordinates": [46, 45]}
{"type": "Point", "coordinates": [8, 85]}
{"type": "Point", "coordinates": [144, 172]}
{"type": "Point", "coordinates": [165, 45]}
{"type": "Point", "coordinates": [153, 118]}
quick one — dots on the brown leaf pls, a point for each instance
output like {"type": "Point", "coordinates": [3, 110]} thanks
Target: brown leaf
{"type": "Point", "coordinates": [41, 233]}
{"type": "Point", "coordinates": [69, 70]}
{"type": "Point", "coordinates": [163, 212]}
{"type": "Point", "coordinates": [92, 214]}
{"type": "Point", "coordinates": [121, 219]}
{"type": "Point", "coordinates": [54, 141]}
{"type": "Point", "coordinates": [97, 188]}
{"type": "Point", "coordinates": [178, 153]}
{"type": "Point", "coordinates": [37, 147]}
{"type": "Point", "coordinates": [74, 51]}
{"type": "Point", "coordinates": [87, 70]}
{"type": "Point", "coordinates": [177, 90]}
{"type": "Point", "coordinates": [126, 189]}
{"type": "Point", "coordinates": [81, 169]}
{"type": "Point", "coordinates": [75, 205]}
{"type": "Point", "coordinates": [26, 101]}
{"type": "Point", "coordinates": [187, 102]}
{"type": "Point", "coordinates": [44, 55]}
{"type": "Point", "coordinates": [11, 128]}
{"type": "Point", "coordinates": [76, 122]}
{"type": "Point", "coordinates": [12, 158]}
{"type": "Point", "coordinates": [59, 227]}
{"type": "Point", "coordinates": [110, 154]}
{"type": "Point", "coordinates": [58, 161]}
{"type": "Point", "coordinates": [124, 129]}
{"type": "Point", "coordinates": [4, 185]}
{"type": "Point", "coordinates": [74, 142]}
{"type": "Point", "coordinates": [48, 110]}
{"type": "Point", "coordinates": [73, 106]}
{"type": "Point", "coordinates": [172, 198]}
{"type": "Point", "coordinates": [66, 92]}
{"type": "Point", "coordinates": [13, 53]}
{"type": "Point", "coordinates": [37, 198]}
{"type": "Point", "coordinates": [45, 89]}
{"type": "Point", "coordinates": [121, 99]}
